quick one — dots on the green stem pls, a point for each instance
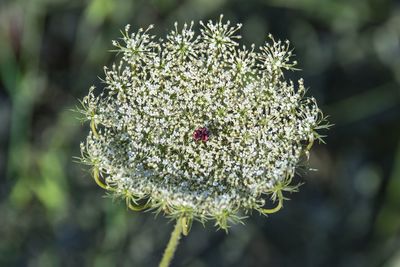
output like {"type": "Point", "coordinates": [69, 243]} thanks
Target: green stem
{"type": "Point", "coordinates": [277, 208]}
{"type": "Point", "coordinates": [172, 244]}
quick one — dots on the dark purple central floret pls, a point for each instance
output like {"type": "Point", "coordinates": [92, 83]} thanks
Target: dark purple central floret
{"type": "Point", "coordinates": [201, 134]}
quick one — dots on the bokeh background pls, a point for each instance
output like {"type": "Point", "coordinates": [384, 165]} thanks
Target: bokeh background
{"type": "Point", "coordinates": [53, 214]}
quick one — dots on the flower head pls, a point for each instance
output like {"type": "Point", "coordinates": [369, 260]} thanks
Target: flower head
{"type": "Point", "coordinates": [196, 126]}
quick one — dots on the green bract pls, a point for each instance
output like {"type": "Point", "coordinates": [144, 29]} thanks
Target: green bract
{"type": "Point", "coordinates": [142, 144]}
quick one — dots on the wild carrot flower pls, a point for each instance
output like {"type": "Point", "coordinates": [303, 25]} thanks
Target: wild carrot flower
{"type": "Point", "coordinates": [197, 126]}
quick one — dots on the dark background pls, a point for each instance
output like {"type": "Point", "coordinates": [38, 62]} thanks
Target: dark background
{"type": "Point", "coordinates": [346, 214]}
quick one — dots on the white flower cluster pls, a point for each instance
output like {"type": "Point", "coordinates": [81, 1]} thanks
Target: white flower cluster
{"type": "Point", "coordinates": [196, 126]}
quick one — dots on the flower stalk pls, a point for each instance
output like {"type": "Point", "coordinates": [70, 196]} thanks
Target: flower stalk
{"type": "Point", "coordinates": [172, 244]}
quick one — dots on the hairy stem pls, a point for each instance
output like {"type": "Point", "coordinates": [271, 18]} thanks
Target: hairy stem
{"type": "Point", "coordinates": [172, 244]}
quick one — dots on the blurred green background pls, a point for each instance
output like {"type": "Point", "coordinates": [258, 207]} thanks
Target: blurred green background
{"type": "Point", "coordinates": [53, 214]}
